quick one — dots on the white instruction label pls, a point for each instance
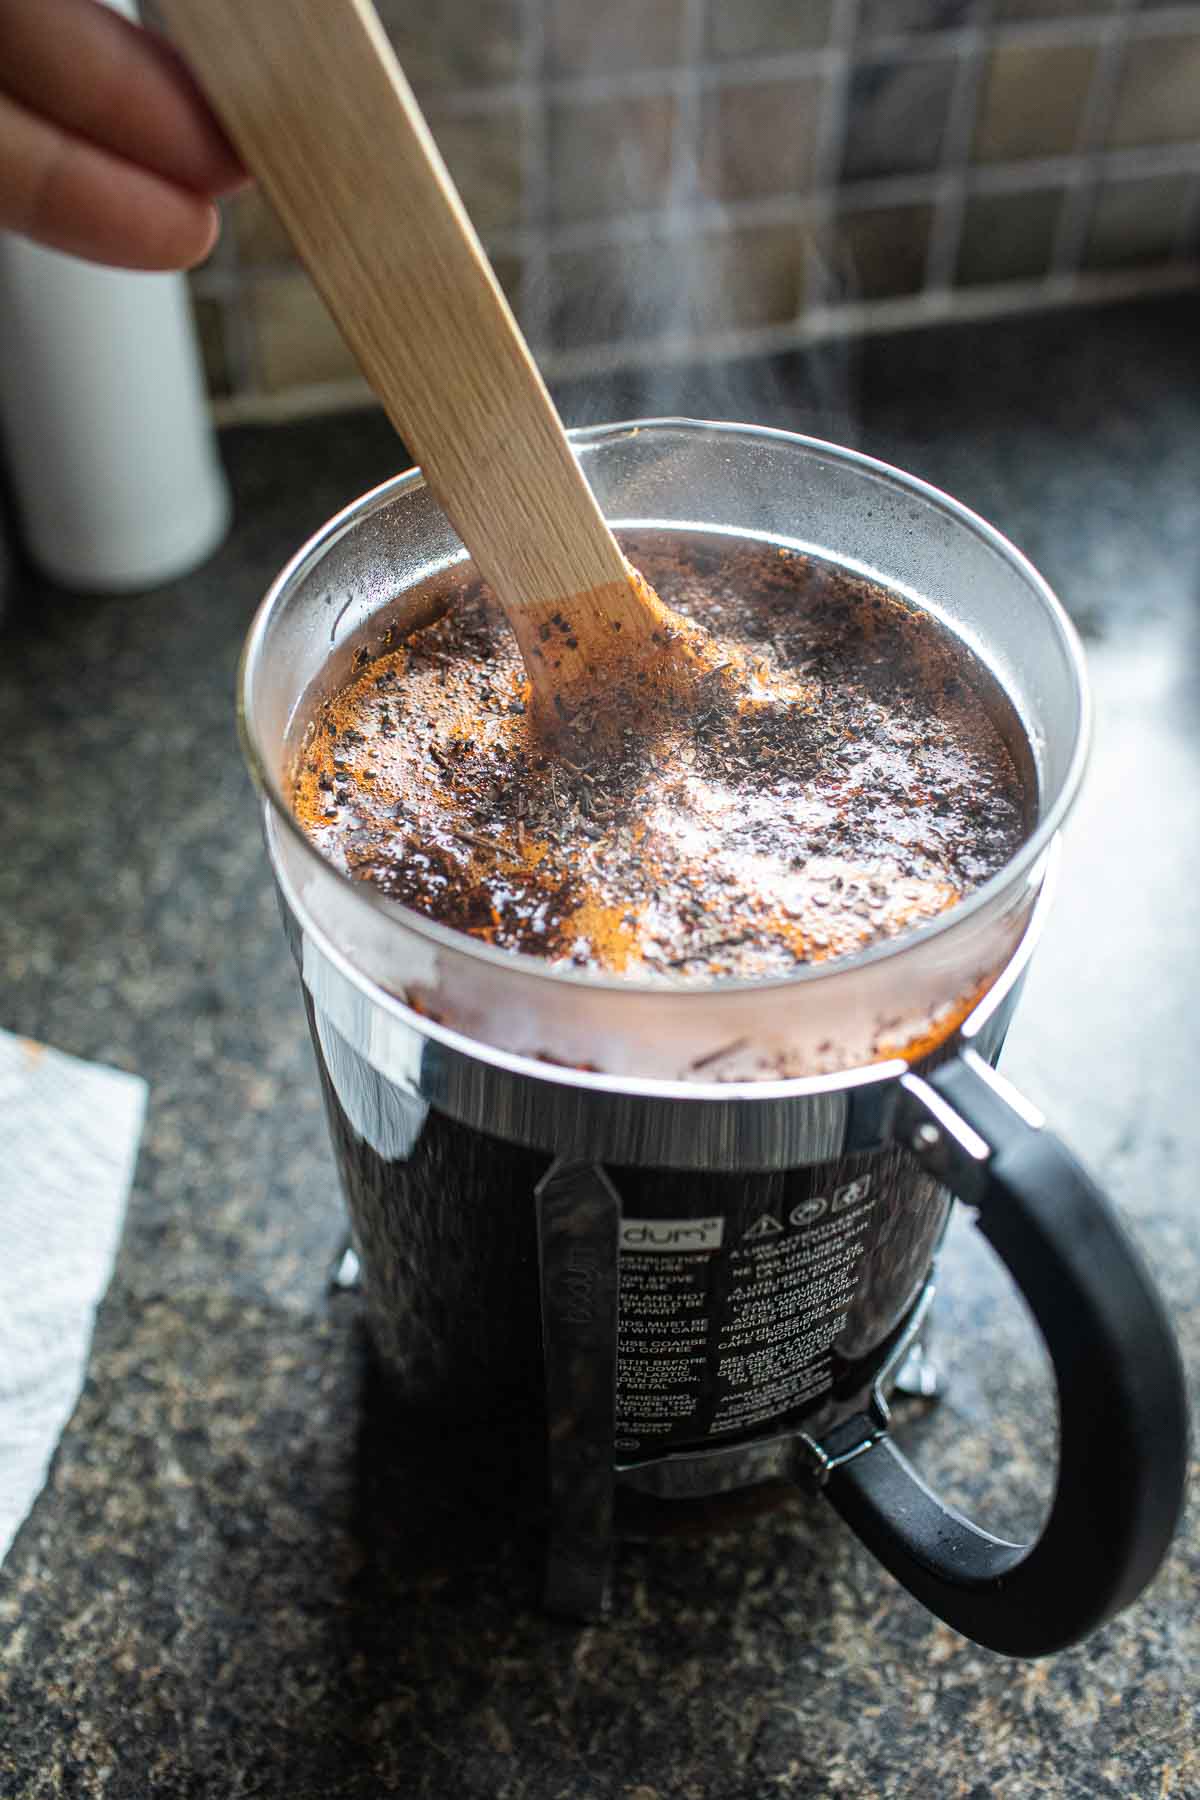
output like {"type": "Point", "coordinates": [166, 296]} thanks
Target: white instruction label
{"type": "Point", "coordinates": [727, 1321]}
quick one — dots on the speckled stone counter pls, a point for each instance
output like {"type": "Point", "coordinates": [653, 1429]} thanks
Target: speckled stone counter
{"type": "Point", "coordinates": [237, 1583]}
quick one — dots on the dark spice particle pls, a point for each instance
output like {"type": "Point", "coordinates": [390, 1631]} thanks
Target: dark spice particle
{"type": "Point", "coordinates": [718, 1055]}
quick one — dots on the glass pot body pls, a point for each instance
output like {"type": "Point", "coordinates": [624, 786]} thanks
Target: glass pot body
{"type": "Point", "coordinates": [829, 1019]}
{"type": "Point", "coordinates": [675, 1282]}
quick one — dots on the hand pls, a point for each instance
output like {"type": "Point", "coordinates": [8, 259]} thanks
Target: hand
{"type": "Point", "coordinates": [108, 150]}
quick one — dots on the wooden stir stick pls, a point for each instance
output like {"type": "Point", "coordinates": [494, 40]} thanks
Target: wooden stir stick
{"type": "Point", "coordinates": [312, 96]}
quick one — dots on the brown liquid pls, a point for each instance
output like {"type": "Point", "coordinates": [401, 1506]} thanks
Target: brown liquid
{"type": "Point", "coordinates": [739, 839]}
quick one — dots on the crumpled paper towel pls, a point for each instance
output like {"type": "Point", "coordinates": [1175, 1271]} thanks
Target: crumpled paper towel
{"type": "Point", "coordinates": [70, 1138]}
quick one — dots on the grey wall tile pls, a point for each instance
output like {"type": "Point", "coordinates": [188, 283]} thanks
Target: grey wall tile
{"type": "Point", "coordinates": [257, 230]}
{"type": "Point", "coordinates": [209, 314]}
{"type": "Point", "coordinates": [443, 46]}
{"type": "Point", "coordinates": [1008, 237]}
{"type": "Point", "coordinates": [483, 154]}
{"type": "Point", "coordinates": [876, 252]}
{"type": "Point", "coordinates": [896, 116]}
{"type": "Point", "coordinates": [1136, 221]}
{"type": "Point", "coordinates": [897, 18]}
{"type": "Point", "coordinates": [1006, 10]}
{"type": "Point", "coordinates": [297, 342]}
{"type": "Point", "coordinates": [765, 27]}
{"type": "Point", "coordinates": [595, 37]}
{"type": "Point", "coordinates": [1158, 93]}
{"type": "Point", "coordinates": [759, 139]}
{"type": "Point", "coordinates": [610, 156]}
{"type": "Point", "coordinates": [743, 278]}
{"type": "Point", "coordinates": [710, 282]}
{"type": "Point", "coordinates": [1033, 100]}
{"type": "Point", "coordinates": [608, 296]}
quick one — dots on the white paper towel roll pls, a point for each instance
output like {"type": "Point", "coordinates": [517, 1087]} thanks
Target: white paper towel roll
{"type": "Point", "coordinates": [105, 419]}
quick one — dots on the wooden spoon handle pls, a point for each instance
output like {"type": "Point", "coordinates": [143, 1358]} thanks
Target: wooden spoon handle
{"type": "Point", "coordinates": [315, 101]}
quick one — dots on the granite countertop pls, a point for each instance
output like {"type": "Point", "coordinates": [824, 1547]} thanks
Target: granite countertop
{"type": "Point", "coordinates": [234, 1584]}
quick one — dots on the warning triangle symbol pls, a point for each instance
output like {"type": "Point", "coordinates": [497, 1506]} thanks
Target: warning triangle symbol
{"type": "Point", "coordinates": [764, 1226]}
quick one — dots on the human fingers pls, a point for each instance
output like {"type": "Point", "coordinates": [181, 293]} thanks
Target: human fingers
{"type": "Point", "coordinates": [77, 197]}
{"type": "Point", "coordinates": [119, 86]}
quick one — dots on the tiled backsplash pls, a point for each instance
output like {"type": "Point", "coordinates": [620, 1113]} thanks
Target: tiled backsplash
{"type": "Point", "coordinates": [658, 179]}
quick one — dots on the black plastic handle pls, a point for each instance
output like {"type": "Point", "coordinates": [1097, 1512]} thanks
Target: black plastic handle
{"type": "Point", "coordinates": [1123, 1429]}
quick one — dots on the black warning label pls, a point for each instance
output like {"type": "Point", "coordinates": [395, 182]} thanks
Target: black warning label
{"type": "Point", "coordinates": [728, 1322]}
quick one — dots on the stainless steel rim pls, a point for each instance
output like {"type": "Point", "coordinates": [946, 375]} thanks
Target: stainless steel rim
{"type": "Point", "coordinates": [622, 1119]}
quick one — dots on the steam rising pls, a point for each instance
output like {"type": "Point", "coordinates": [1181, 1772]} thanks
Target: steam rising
{"type": "Point", "coordinates": [656, 291]}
